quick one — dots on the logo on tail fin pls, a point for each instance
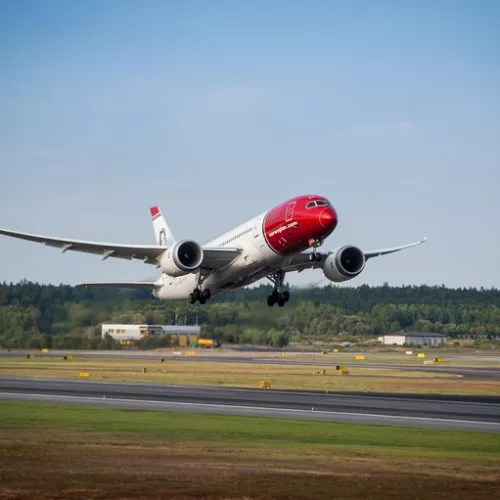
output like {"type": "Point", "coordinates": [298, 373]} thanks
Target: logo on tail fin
{"type": "Point", "coordinates": [163, 238]}
{"type": "Point", "coordinates": [163, 235]}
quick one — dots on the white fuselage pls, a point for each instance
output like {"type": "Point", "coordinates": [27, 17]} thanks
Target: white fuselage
{"type": "Point", "coordinates": [256, 261]}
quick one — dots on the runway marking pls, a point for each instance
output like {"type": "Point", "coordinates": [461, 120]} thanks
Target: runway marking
{"type": "Point", "coordinates": [396, 396]}
{"type": "Point", "coordinates": [255, 408]}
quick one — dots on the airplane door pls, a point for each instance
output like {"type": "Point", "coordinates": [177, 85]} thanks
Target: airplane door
{"type": "Point", "coordinates": [287, 237]}
{"type": "Point", "coordinates": [258, 238]}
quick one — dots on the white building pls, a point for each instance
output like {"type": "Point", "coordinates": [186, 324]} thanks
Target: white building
{"type": "Point", "coordinates": [415, 338]}
{"type": "Point", "coordinates": [137, 332]}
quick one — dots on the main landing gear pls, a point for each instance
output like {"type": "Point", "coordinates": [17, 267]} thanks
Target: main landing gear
{"type": "Point", "coordinates": [278, 296]}
{"type": "Point", "coordinates": [199, 295]}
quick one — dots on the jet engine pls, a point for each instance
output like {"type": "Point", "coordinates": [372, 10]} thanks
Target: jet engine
{"type": "Point", "coordinates": [344, 263]}
{"type": "Point", "coordinates": [182, 258]}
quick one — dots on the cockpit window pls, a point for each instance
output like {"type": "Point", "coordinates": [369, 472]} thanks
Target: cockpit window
{"type": "Point", "coordinates": [318, 203]}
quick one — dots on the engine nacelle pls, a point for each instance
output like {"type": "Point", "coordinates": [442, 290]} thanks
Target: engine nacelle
{"type": "Point", "coordinates": [182, 258]}
{"type": "Point", "coordinates": [344, 263]}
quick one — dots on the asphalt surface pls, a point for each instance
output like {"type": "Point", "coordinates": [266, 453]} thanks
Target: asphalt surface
{"type": "Point", "coordinates": [468, 372]}
{"type": "Point", "coordinates": [402, 410]}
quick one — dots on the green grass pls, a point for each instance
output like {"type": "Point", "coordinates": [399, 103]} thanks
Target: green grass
{"type": "Point", "coordinates": [185, 427]}
{"type": "Point", "coordinates": [76, 452]}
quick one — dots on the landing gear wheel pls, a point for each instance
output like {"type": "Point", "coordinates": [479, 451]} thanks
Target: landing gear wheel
{"type": "Point", "coordinates": [318, 257]}
{"type": "Point", "coordinates": [312, 257]}
{"type": "Point", "coordinates": [198, 295]}
{"type": "Point", "coordinates": [278, 296]}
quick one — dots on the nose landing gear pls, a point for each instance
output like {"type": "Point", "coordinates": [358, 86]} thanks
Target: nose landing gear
{"type": "Point", "coordinates": [314, 256]}
{"type": "Point", "coordinates": [278, 296]}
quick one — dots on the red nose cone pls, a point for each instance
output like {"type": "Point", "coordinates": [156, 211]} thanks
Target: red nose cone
{"type": "Point", "coordinates": [328, 219]}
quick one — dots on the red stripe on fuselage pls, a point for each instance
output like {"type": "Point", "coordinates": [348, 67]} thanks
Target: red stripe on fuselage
{"type": "Point", "coordinates": [289, 226]}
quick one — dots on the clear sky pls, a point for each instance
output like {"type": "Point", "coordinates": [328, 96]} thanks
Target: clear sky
{"type": "Point", "coordinates": [217, 110]}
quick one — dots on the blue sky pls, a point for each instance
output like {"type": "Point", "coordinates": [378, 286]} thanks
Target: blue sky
{"type": "Point", "coordinates": [217, 111]}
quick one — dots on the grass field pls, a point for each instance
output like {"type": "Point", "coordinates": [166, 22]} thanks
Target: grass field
{"type": "Point", "coordinates": [229, 374]}
{"type": "Point", "coordinates": [79, 452]}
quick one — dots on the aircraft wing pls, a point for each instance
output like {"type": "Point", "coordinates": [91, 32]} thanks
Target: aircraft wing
{"type": "Point", "coordinates": [214, 258]}
{"type": "Point", "coordinates": [384, 251]}
{"type": "Point", "coordinates": [146, 253]}
{"type": "Point", "coordinates": [301, 261]}
{"type": "Point", "coordinates": [217, 257]}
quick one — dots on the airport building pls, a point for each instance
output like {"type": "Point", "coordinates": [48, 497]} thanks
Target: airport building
{"type": "Point", "coordinates": [181, 335]}
{"type": "Point", "coordinates": [415, 338]}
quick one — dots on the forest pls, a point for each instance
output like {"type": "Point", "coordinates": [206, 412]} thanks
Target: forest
{"type": "Point", "coordinates": [61, 317]}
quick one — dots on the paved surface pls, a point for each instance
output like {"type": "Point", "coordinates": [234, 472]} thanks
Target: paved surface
{"type": "Point", "coordinates": [404, 410]}
{"type": "Point", "coordinates": [469, 372]}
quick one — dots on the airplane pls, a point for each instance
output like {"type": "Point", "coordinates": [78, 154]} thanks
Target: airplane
{"type": "Point", "coordinates": [283, 239]}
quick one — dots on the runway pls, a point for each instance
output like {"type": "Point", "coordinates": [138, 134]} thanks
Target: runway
{"type": "Point", "coordinates": [401, 410]}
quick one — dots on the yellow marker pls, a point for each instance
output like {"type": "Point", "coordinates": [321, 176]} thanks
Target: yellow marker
{"type": "Point", "coordinates": [360, 357]}
{"type": "Point", "coordinates": [421, 355]}
{"type": "Point", "coordinates": [335, 350]}
{"type": "Point", "coordinates": [45, 350]}
{"type": "Point", "coordinates": [84, 374]}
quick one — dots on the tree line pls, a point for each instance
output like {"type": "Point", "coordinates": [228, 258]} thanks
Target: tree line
{"type": "Point", "coordinates": [36, 316]}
